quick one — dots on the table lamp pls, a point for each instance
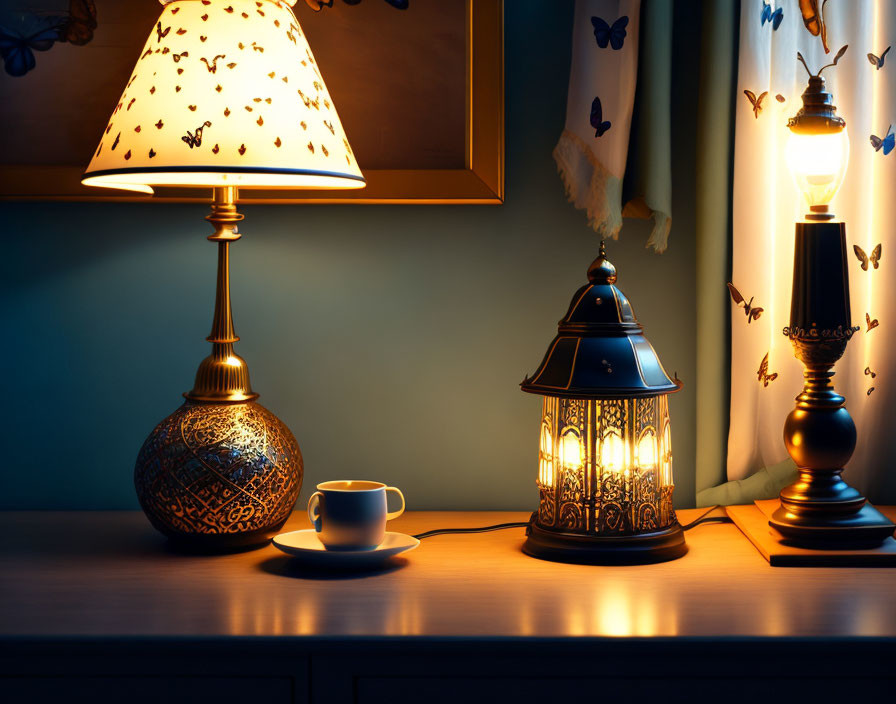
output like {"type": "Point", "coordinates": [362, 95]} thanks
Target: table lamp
{"type": "Point", "coordinates": [226, 94]}
{"type": "Point", "coordinates": [605, 450]}
{"type": "Point", "coordinates": [820, 509]}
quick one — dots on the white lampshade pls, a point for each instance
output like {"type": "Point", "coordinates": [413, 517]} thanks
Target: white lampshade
{"type": "Point", "coordinates": [225, 93]}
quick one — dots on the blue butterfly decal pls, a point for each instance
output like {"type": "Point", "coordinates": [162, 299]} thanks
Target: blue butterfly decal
{"type": "Point", "coordinates": [887, 143]}
{"type": "Point", "coordinates": [18, 50]}
{"type": "Point", "coordinates": [597, 118]}
{"type": "Point", "coordinates": [878, 61]}
{"type": "Point", "coordinates": [605, 34]}
{"type": "Point", "coordinates": [773, 17]}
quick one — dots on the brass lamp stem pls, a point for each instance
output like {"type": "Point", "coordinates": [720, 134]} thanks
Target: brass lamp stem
{"type": "Point", "coordinates": [223, 376]}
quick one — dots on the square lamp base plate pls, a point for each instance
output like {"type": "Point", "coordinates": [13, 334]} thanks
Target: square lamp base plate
{"type": "Point", "coordinates": [752, 520]}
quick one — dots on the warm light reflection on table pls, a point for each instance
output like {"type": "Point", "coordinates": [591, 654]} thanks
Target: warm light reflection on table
{"type": "Point", "coordinates": [108, 574]}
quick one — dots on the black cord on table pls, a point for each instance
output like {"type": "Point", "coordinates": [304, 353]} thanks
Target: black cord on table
{"type": "Point", "coordinates": [703, 518]}
{"type": "Point", "coordinates": [706, 518]}
{"type": "Point", "coordinates": [483, 529]}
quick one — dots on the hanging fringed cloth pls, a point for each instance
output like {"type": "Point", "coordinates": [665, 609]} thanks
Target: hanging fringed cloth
{"type": "Point", "coordinates": [592, 151]}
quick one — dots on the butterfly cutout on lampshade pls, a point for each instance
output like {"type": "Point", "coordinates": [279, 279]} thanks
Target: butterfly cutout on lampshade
{"type": "Point", "coordinates": [773, 17]}
{"type": "Point", "coordinates": [606, 34]}
{"type": "Point", "coordinates": [751, 312]}
{"type": "Point", "coordinates": [878, 61]}
{"type": "Point", "coordinates": [887, 143]}
{"type": "Point", "coordinates": [755, 102]}
{"type": "Point", "coordinates": [764, 377]}
{"type": "Point", "coordinates": [874, 259]}
{"type": "Point", "coordinates": [597, 122]}
{"type": "Point", "coordinates": [871, 324]}
{"type": "Point", "coordinates": [870, 373]}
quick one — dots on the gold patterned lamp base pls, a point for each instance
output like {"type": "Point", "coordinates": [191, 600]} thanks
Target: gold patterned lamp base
{"type": "Point", "coordinates": [219, 475]}
{"type": "Point", "coordinates": [222, 472]}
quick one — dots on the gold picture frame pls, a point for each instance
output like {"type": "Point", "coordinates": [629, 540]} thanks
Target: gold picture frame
{"type": "Point", "coordinates": [479, 181]}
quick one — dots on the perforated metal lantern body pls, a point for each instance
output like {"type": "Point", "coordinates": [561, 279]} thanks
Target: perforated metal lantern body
{"type": "Point", "coordinates": [605, 452]}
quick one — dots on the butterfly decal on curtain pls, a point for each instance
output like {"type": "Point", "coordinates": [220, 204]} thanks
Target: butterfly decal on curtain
{"type": "Point", "coordinates": [752, 312]}
{"type": "Point", "coordinates": [864, 259]}
{"type": "Point", "coordinates": [755, 101]}
{"type": "Point", "coordinates": [813, 20]}
{"type": "Point", "coordinates": [872, 374]}
{"type": "Point", "coordinates": [614, 34]}
{"type": "Point", "coordinates": [764, 377]}
{"type": "Point", "coordinates": [597, 122]}
{"type": "Point", "coordinates": [887, 143]}
{"type": "Point", "coordinates": [878, 61]}
{"type": "Point", "coordinates": [773, 17]}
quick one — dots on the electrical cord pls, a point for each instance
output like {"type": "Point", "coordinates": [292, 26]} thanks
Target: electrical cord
{"type": "Point", "coordinates": [706, 518]}
{"type": "Point", "coordinates": [483, 529]}
{"type": "Point", "coordinates": [701, 519]}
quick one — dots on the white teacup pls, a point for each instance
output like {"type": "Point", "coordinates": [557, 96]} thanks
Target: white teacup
{"type": "Point", "coordinates": [351, 514]}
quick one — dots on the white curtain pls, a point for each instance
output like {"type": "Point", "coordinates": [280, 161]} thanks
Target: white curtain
{"type": "Point", "coordinates": [766, 205]}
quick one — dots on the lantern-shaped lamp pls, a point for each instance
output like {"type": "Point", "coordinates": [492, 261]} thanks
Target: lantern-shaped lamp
{"type": "Point", "coordinates": [605, 455]}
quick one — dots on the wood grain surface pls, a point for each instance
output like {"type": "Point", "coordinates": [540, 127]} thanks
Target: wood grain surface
{"type": "Point", "coordinates": [110, 574]}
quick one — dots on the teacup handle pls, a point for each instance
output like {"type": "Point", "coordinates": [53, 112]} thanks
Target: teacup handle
{"type": "Point", "coordinates": [395, 514]}
{"type": "Point", "coordinates": [314, 509]}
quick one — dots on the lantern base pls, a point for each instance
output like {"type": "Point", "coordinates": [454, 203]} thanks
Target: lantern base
{"type": "Point", "coordinates": [639, 549]}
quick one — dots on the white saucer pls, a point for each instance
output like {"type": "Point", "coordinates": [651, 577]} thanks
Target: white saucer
{"type": "Point", "coordinates": [306, 545]}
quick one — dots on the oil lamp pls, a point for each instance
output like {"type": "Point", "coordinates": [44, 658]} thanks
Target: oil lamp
{"type": "Point", "coordinates": [605, 455]}
{"type": "Point", "coordinates": [820, 509]}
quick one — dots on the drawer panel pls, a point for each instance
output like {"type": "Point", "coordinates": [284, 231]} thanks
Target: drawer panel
{"type": "Point", "coordinates": [148, 690]}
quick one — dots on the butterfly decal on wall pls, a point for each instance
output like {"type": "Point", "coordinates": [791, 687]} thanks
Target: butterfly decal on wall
{"type": "Point", "coordinates": [874, 259]}
{"type": "Point", "coordinates": [764, 377]}
{"type": "Point", "coordinates": [756, 102]}
{"type": "Point", "coordinates": [78, 30]}
{"type": "Point", "coordinates": [614, 34]}
{"type": "Point", "coordinates": [597, 119]}
{"type": "Point", "coordinates": [17, 46]}
{"type": "Point", "coordinates": [887, 143]}
{"type": "Point", "coordinates": [878, 61]}
{"type": "Point", "coordinates": [751, 312]}
{"type": "Point", "coordinates": [773, 17]}
{"type": "Point", "coordinates": [195, 140]}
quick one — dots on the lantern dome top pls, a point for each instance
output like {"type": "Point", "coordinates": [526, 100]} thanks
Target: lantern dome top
{"type": "Point", "coordinates": [600, 350]}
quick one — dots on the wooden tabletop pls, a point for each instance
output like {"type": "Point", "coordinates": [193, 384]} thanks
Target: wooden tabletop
{"type": "Point", "coordinates": [110, 574]}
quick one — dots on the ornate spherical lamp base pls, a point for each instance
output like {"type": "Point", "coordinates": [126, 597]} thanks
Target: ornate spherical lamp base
{"type": "Point", "coordinates": [219, 476]}
{"type": "Point", "coordinates": [638, 549]}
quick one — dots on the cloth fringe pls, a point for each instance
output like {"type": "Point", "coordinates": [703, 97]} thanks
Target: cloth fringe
{"type": "Point", "coordinates": [589, 186]}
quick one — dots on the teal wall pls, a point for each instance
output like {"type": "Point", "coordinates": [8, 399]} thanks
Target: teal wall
{"type": "Point", "coordinates": [391, 339]}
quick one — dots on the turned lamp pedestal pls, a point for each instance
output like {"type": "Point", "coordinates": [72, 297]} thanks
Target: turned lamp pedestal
{"type": "Point", "coordinates": [821, 510]}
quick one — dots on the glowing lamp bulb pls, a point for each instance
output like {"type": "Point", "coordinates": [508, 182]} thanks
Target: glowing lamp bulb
{"type": "Point", "coordinates": [818, 165]}
{"type": "Point", "coordinates": [612, 453]}
{"type": "Point", "coordinates": [571, 451]}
